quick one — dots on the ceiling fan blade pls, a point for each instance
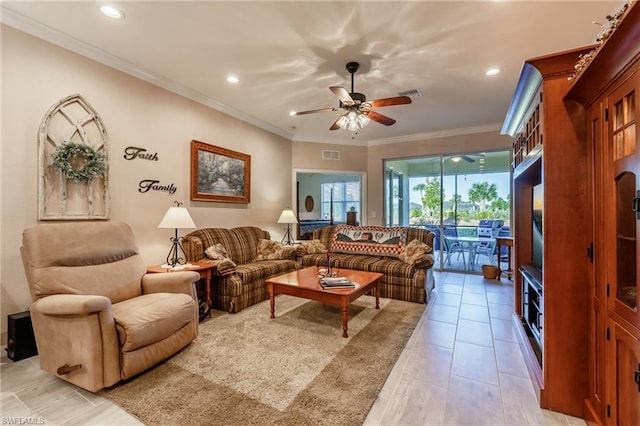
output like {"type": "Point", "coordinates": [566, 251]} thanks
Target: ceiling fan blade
{"type": "Point", "coordinates": [335, 126]}
{"type": "Point", "coordinates": [382, 119]}
{"type": "Point", "coordinates": [342, 94]}
{"type": "Point", "coordinates": [468, 159]}
{"type": "Point", "coordinates": [398, 100]}
{"type": "Point", "coordinates": [314, 111]}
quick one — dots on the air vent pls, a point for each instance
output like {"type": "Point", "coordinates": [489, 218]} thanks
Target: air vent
{"type": "Point", "coordinates": [330, 155]}
{"type": "Point", "coordinates": [412, 92]}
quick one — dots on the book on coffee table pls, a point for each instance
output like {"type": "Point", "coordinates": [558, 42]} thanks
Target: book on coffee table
{"type": "Point", "coordinates": [336, 282]}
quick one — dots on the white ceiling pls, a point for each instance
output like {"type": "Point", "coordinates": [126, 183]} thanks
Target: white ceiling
{"type": "Point", "coordinates": [287, 54]}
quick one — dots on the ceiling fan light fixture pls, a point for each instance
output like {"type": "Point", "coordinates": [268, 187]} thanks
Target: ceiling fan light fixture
{"type": "Point", "coordinates": [456, 159]}
{"type": "Point", "coordinates": [353, 121]}
{"type": "Point", "coordinates": [358, 111]}
{"type": "Point", "coordinates": [363, 120]}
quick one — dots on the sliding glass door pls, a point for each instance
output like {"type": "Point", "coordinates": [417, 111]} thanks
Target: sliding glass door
{"type": "Point", "coordinates": [464, 199]}
{"type": "Point", "coordinates": [394, 189]}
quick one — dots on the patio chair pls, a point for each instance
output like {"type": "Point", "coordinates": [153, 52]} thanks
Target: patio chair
{"type": "Point", "coordinates": [453, 247]}
{"type": "Point", "coordinates": [487, 249]}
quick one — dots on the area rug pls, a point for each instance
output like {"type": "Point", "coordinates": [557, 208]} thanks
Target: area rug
{"type": "Point", "coordinates": [296, 369]}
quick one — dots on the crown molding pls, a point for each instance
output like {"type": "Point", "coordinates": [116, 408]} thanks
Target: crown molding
{"type": "Point", "coordinates": [48, 34]}
{"type": "Point", "coordinates": [36, 29]}
{"type": "Point", "coordinates": [436, 134]}
{"type": "Point", "coordinates": [411, 138]}
{"type": "Point", "coordinates": [355, 142]}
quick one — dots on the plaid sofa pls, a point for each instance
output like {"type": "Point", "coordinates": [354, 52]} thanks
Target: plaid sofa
{"type": "Point", "coordinates": [243, 285]}
{"type": "Point", "coordinates": [400, 280]}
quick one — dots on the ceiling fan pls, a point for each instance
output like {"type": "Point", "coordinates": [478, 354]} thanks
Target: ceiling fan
{"type": "Point", "coordinates": [467, 158]}
{"type": "Point", "coordinates": [357, 111]}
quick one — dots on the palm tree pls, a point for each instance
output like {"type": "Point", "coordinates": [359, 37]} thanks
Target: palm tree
{"type": "Point", "coordinates": [431, 197]}
{"type": "Point", "coordinates": [481, 193]}
{"type": "Point", "coordinates": [422, 188]}
{"type": "Point", "coordinates": [500, 204]}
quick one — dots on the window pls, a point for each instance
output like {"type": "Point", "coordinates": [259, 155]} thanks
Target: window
{"type": "Point", "coordinates": [342, 196]}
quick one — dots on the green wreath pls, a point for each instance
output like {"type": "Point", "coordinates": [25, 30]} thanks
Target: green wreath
{"type": "Point", "coordinates": [78, 162]}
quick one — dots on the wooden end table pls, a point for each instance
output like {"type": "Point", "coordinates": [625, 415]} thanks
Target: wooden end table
{"type": "Point", "coordinates": [205, 269]}
{"type": "Point", "coordinates": [305, 283]}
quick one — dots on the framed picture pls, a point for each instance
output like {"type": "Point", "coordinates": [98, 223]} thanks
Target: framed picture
{"type": "Point", "coordinates": [219, 174]}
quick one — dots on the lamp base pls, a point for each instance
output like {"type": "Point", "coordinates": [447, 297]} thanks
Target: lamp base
{"type": "Point", "coordinates": [288, 238]}
{"type": "Point", "coordinates": [174, 257]}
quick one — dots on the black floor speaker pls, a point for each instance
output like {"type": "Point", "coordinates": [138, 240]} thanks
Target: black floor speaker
{"type": "Point", "coordinates": [21, 342]}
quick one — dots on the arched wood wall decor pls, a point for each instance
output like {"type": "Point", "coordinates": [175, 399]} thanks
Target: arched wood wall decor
{"type": "Point", "coordinates": [71, 120]}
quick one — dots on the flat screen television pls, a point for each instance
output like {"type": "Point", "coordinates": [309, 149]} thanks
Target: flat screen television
{"type": "Point", "coordinates": [536, 222]}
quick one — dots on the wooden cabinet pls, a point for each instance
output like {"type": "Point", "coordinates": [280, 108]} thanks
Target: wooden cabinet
{"type": "Point", "coordinates": [623, 373]}
{"type": "Point", "coordinates": [549, 169]}
{"type": "Point", "coordinates": [607, 92]}
{"type": "Point", "coordinates": [621, 175]}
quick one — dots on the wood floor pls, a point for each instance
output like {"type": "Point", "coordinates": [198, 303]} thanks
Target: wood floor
{"type": "Point", "coordinates": [462, 366]}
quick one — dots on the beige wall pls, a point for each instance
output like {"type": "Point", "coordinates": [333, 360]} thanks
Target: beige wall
{"type": "Point", "coordinates": [36, 74]}
{"type": "Point", "coordinates": [308, 156]}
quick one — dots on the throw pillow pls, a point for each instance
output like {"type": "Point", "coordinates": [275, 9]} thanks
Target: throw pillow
{"type": "Point", "coordinates": [269, 250]}
{"type": "Point", "coordinates": [415, 253]}
{"type": "Point", "coordinates": [313, 247]}
{"type": "Point", "coordinates": [219, 256]}
{"type": "Point", "coordinates": [369, 240]}
{"type": "Point", "coordinates": [216, 252]}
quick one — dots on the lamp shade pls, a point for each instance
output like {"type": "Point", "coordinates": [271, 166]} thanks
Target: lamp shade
{"type": "Point", "coordinates": [287, 216]}
{"type": "Point", "coordinates": [177, 217]}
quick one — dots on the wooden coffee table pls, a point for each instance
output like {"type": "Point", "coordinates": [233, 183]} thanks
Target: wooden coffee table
{"type": "Point", "coordinates": [305, 283]}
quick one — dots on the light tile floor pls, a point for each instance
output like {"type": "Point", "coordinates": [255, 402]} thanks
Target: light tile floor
{"type": "Point", "coordinates": [462, 366]}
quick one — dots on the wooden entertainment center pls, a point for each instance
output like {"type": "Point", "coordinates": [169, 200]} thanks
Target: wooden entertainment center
{"type": "Point", "coordinates": [547, 151]}
{"type": "Point", "coordinates": [577, 314]}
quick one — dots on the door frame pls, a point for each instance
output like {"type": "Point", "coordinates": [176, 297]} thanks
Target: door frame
{"type": "Point", "coordinates": [363, 187]}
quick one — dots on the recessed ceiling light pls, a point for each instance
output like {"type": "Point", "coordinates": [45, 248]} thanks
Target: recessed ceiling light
{"type": "Point", "coordinates": [492, 71]}
{"type": "Point", "coordinates": [232, 79]}
{"type": "Point", "coordinates": [112, 12]}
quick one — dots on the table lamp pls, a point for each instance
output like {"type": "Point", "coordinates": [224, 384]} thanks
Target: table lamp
{"type": "Point", "coordinates": [176, 217]}
{"type": "Point", "coordinates": [287, 216]}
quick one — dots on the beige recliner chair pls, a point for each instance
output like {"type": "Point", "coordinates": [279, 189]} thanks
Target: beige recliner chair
{"type": "Point", "coordinates": [98, 317]}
